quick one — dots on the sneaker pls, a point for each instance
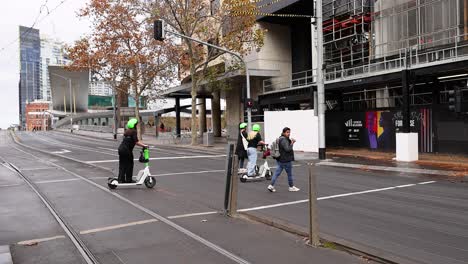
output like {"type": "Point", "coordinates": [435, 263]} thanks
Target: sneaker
{"type": "Point", "coordinates": [271, 188]}
{"type": "Point", "coordinates": [294, 189]}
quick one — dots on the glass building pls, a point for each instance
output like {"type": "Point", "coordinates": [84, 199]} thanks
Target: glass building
{"type": "Point", "coordinates": [30, 68]}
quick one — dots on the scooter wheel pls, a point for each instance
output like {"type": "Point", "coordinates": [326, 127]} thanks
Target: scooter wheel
{"type": "Point", "coordinates": [268, 175]}
{"type": "Point", "coordinates": [242, 179]}
{"type": "Point", "coordinates": [110, 184]}
{"type": "Point", "coordinates": [150, 182]}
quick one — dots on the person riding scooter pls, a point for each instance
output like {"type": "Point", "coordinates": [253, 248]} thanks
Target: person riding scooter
{"type": "Point", "coordinates": [254, 139]}
{"type": "Point", "coordinates": [126, 151]}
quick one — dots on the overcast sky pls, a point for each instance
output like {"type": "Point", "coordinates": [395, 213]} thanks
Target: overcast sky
{"type": "Point", "coordinates": [61, 24]}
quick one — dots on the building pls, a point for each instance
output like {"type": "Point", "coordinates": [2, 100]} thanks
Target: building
{"type": "Point", "coordinates": [30, 69]}
{"type": "Point", "coordinates": [69, 90]}
{"type": "Point", "coordinates": [100, 88]}
{"type": "Point", "coordinates": [52, 53]}
{"type": "Point", "coordinates": [37, 116]}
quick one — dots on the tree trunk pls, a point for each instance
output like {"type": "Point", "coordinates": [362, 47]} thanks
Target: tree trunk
{"type": "Point", "coordinates": [193, 93]}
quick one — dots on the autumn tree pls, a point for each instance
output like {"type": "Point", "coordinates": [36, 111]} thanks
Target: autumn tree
{"type": "Point", "coordinates": [121, 50]}
{"type": "Point", "coordinates": [214, 21]}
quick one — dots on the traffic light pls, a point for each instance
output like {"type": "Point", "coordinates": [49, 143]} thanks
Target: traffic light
{"type": "Point", "coordinates": [455, 100]}
{"type": "Point", "coordinates": [249, 103]}
{"type": "Point", "coordinates": [159, 32]}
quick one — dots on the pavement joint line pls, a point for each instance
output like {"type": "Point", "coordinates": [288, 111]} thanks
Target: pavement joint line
{"type": "Point", "coordinates": [33, 169]}
{"type": "Point", "coordinates": [54, 181]}
{"type": "Point", "coordinates": [386, 168]}
{"type": "Point", "coordinates": [307, 200]}
{"type": "Point", "coordinates": [165, 158]}
{"type": "Point", "coordinates": [39, 240]}
{"type": "Point", "coordinates": [113, 227]}
{"type": "Point", "coordinates": [168, 222]}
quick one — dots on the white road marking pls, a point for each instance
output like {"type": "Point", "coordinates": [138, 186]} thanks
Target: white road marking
{"type": "Point", "coordinates": [42, 168]}
{"type": "Point", "coordinates": [63, 151]}
{"type": "Point", "coordinates": [107, 228]}
{"type": "Point", "coordinates": [39, 240]}
{"type": "Point", "coordinates": [165, 158]}
{"type": "Point", "coordinates": [306, 200]}
{"type": "Point", "coordinates": [194, 214]}
{"type": "Point", "coordinates": [54, 181]}
{"type": "Point", "coordinates": [190, 172]}
{"type": "Point", "coordinates": [428, 182]}
{"type": "Point", "coordinates": [10, 185]}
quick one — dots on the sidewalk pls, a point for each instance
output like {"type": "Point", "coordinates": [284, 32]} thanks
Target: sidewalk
{"type": "Point", "coordinates": [447, 162]}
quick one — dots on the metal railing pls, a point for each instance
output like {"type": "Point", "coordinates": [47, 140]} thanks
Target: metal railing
{"type": "Point", "coordinates": [410, 58]}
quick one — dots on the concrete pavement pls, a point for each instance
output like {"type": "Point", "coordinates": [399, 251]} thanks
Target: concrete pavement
{"type": "Point", "coordinates": [120, 226]}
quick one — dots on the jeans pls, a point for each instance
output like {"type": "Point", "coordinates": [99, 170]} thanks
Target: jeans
{"type": "Point", "coordinates": [252, 155]}
{"type": "Point", "coordinates": [241, 163]}
{"type": "Point", "coordinates": [287, 166]}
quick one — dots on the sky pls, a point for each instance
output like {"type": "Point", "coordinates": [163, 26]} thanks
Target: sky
{"type": "Point", "coordinates": [62, 24]}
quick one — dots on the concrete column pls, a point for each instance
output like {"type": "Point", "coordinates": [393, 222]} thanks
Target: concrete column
{"type": "Point", "coordinates": [202, 115]}
{"type": "Point", "coordinates": [234, 112]}
{"type": "Point", "coordinates": [216, 113]}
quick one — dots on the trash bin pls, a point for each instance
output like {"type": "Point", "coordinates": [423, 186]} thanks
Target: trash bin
{"type": "Point", "coordinates": [208, 139]}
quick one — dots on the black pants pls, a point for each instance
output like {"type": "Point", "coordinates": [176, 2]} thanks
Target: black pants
{"type": "Point", "coordinates": [125, 166]}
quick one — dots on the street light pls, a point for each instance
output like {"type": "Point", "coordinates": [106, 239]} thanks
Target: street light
{"type": "Point", "coordinates": [69, 87]}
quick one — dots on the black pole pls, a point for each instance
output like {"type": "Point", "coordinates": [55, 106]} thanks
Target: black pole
{"type": "Point", "coordinates": [406, 100]}
{"type": "Point", "coordinates": [229, 157]}
{"type": "Point", "coordinates": [177, 110]}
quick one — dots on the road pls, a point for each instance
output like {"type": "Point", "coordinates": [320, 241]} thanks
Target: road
{"type": "Point", "coordinates": [407, 218]}
{"type": "Point", "coordinates": [131, 225]}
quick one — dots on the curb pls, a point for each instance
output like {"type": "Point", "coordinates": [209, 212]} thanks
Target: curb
{"type": "Point", "coordinates": [5, 255]}
{"type": "Point", "coordinates": [334, 242]}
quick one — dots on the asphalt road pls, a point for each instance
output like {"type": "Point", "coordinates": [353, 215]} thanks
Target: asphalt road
{"type": "Point", "coordinates": [132, 225]}
{"type": "Point", "coordinates": [402, 217]}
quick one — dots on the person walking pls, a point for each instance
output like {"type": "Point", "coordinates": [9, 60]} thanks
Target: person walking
{"type": "Point", "coordinates": [242, 145]}
{"type": "Point", "coordinates": [285, 160]}
{"type": "Point", "coordinates": [126, 151]}
{"type": "Point", "coordinates": [254, 138]}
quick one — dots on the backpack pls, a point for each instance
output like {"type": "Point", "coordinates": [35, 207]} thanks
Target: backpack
{"type": "Point", "coordinates": [274, 149]}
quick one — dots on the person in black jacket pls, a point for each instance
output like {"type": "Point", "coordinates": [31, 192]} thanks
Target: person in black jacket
{"type": "Point", "coordinates": [284, 160]}
{"type": "Point", "coordinates": [241, 151]}
{"type": "Point", "coordinates": [126, 152]}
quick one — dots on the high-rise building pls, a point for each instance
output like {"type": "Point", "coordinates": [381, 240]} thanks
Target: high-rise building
{"type": "Point", "coordinates": [52, 53]}
{"type": "Point", "coordinates": [100, 88]}
{"type": "Point", "coordinates": [30, 60]}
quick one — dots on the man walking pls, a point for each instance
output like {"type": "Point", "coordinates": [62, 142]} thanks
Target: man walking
{"type": "Point", "coordinates": [284, 161]}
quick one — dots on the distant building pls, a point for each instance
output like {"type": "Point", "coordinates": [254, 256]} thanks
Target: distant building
{"type": "Point", "coordinates": [30, 68]}
{"type": "Point", "coordinates": [100, 88]}
{"type": "Point", "coordinates": [37, 116]}
{"type": "Point", "coordinates": [52, 53]}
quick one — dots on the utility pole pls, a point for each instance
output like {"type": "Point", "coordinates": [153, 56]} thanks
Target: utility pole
{"type": "Point", "coordinates": [320, 80]}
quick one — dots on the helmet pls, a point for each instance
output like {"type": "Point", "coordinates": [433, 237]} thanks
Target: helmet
{"type": "Point", "coordinates": [256, 127]}
{"type": "Point", "coordinates": [243, 125]}
{"type": "Point", "coordinates": [132, 123]}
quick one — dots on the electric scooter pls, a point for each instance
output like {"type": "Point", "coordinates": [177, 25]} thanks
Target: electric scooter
{"type": "Point", "coordinates": [143, 176]}
{"type": "Point", "coordinates": [262, 172]}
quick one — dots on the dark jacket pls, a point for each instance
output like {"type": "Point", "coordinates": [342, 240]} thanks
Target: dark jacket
{"type": "Point", "coordinates": [240, 151]}
{"type": "Point", "coordinates": [286, 150]}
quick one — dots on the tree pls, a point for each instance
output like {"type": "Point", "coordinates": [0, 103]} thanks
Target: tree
{"type": "Point", "coordinates": [212, 21]}
{"type": "Point", "coordinates": [121, 50]}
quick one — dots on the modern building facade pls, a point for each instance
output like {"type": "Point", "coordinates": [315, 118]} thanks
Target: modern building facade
{"type": "Point", "coordinates": [100, 88]}
{"type": "Point", "coordinates": [384, 61]}
{"type": "Point", "coordinates": [30, 69]}
{"type": "Point", "coordinates": [52, 53]}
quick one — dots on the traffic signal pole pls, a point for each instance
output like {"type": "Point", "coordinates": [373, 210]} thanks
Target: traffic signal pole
{"type": "Point", "coordinates": [159, 34]}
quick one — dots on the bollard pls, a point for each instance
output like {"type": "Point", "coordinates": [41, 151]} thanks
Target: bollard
{"type": "Point", "coordinates": [229, 156]}
{"type": "Point", "coordinates": [314, 238]}
{"type": "Point", "coordinates": [232, 211]}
